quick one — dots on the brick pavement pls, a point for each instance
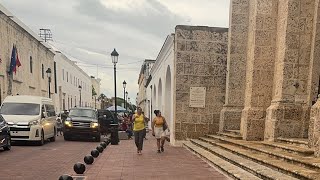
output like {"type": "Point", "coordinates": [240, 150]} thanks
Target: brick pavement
{"type": "Point", "coordinates": [46, 162]}
{"type": "Point", "coordinates": [122, 162]}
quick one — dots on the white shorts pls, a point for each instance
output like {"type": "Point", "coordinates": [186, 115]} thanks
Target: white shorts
{"type": "Point", "coordinates": [158, 132]}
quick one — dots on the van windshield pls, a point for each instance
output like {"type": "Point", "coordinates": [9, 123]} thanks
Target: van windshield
{"type": "Point", "coordinates": [20, 109]}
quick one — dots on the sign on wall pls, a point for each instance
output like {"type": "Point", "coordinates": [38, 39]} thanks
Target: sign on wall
{"type": "Point", "coordinates": [197, 97]}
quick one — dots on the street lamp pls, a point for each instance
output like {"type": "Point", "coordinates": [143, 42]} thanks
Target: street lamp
{"type": "Point", "coordinates": [114, 135]}
{"type": "Point", "coordinates": [80, 95]}
{"type": "Point", "coordinates": [126, 100]}
{"type": "Point", "coordinates": [49, 79]}
{"type": "Point", "coordinates": [124, 93]}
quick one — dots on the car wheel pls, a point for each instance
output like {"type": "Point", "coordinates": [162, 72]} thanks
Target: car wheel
{"type": "Point", "coordinates": [41, 142]}
{"type": "Point", "coordinates": [8, 146]}
{"type": "Point", "coordinates": [66, 138]}
{"type": "Point", "coordinates": [98, 138]}
{"type": "Point", "coordinates": [53, 139]}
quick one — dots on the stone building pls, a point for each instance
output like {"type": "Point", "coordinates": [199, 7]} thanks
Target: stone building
{"type": "Point", "coordinates": [192, 57]}
{"type": "Point", "coordinates": [35, 57]}
{"type": "Point", "coordinates": [142, 100]}
{"type": "Point", "coordinates": [69, 80]}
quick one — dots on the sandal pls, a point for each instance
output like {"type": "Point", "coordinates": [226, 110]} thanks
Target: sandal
{"type": "Point", "coordinates": [159, 151]}
{"type": "Point", "coordinates": [162, 149]}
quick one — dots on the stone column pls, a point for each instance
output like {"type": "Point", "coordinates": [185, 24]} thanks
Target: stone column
{"type": "Point", "coordinates": [313, 84]}
{"type": "Point", "coordinates": [315, 118]}
{"type": "Point", "coordinates": [259, 67]}
{"type": "Point", "coordinates": [230, 116]}
{"type": "Point", "coordinates": [288, 114]}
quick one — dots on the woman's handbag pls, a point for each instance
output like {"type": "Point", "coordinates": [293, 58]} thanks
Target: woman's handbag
{"type": "Point", "coordinates": [165, 127]}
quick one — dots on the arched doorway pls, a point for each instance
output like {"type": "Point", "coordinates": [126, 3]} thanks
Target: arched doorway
{"type": "Point", "coordinates": [160, 95]}
{"type": "Point", "coordinates": [168, 98]}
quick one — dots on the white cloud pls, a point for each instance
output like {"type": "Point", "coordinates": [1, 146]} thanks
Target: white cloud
{"type": "Point", "coordinates": [88, 30]}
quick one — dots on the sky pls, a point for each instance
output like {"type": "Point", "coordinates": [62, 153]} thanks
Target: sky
{"type": "Point", "coordinates": [87, 31]}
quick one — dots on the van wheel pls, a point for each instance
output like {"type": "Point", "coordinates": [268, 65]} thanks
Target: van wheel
{"type": "Point", "coordinates": [8, 146]}
{"type": "Point", "coordinates": [53, 139]}
{"type": "Point", "coordinates": [41, 142]}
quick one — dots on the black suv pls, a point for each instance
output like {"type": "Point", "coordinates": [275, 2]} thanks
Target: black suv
{"type": "Point", "coordinates": [5, 138]}
{"type": "Point", "coordinates": [82, 122]}
{"type": "Point", "coordinates": [105, 118]}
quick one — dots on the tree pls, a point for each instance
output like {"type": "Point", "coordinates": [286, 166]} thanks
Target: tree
{"type": "Point", "coordinates": [103, 98]}
{"type": "Point", "coordinates": [93, 91]}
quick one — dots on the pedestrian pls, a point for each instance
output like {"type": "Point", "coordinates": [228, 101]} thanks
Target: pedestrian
{"type": "Point", "coordinates": [145, 126]}
{"type": "Point", "coordinates": [138, 128]}
{"type": "Point", "coordinates": [159, 125]}
{"type": "Point", "coordinates": [64, 117]}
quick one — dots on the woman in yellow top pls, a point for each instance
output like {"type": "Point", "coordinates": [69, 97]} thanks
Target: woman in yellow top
{"type": "Point", "coordinates": [138, 128]}
{"type": "Point", "coordinates": [158, 124]}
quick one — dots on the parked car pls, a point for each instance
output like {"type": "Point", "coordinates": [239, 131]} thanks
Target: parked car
{"type": "Point", "coordinates": [30, 118]}
{"type": "Point", "coordinates": [82, 122]}
{"type": "Point", "coordinates": [5, 139]}
{"type": "Point", "coordinates": [105, 119]}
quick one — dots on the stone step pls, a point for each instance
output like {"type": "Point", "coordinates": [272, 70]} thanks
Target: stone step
{"type": "Point", "coordinates": [235, 132]}
{"type": "Point", "coordinates": [258, 146]}
{"type": "Point", "coordinates": [294, 141]}
{"type": "Point", "coordinates": [231, 170]}
{"type": "Point", "coordinates": [290, 148]}
{"type": "Point", "coordinates": [229, 135]}
{"type": "Point", "coordinates": [305, 161]}
{"type": "Point", "coordinates": [285, 167]}
{"type": "Point", "coordinates": [248, 165]}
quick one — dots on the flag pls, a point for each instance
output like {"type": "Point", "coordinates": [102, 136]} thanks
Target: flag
{"type": "Point", "coordinates": [17, 60]}
{"type": "Point", "coordinates": [13, 60]}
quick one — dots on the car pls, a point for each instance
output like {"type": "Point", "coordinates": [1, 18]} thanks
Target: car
{"type": "Point", "coordinates": [5, 138]}
{"type": "Point", "coordinates": [30, 118]}
{"type": "Point", "coordinates": [82, 122]}
{"type": "Point", "coordinates": [105, 118]}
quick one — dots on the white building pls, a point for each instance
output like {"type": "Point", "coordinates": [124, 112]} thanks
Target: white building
{"type": "Point", "coordinates": [69, 80]}
{"type": "Point", "coordinates": [160, 84]}
{"type": "Point", "coordinates": [142, 100]}
{"type": "Point", "coordinates": [35, 57]}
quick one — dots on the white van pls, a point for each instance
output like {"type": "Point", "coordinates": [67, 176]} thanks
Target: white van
{"type": "Point", "coordinates": [30, 118]}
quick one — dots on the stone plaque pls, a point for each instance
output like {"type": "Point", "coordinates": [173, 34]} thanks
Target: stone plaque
{"type": "Point", "coordinates": [197, 97]}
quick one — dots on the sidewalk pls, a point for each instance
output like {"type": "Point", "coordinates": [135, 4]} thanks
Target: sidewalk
{"type": "Point", "coordinates": [122, 162]}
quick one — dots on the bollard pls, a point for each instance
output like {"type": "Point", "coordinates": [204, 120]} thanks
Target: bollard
{"type": "Point", "coordinates": [103, 144]}
{"type": "Point", "coordinates": [88, 159]}
{"type": "Point", "coordinates": [95, 153]}
{"type": "Point", "coordinates": [100, 149]}
{"type": "Point", "coordinates": [79, 168]}
{"type": "Point", "coordinates": [65, 177]}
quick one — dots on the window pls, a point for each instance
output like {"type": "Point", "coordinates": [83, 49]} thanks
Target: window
{"type": "Point", "coordinates": [31, 64]}
{"type": "Point", "coordinates": [24, 109]}
{"type": "Point", "coordinates": [62, 74]}
{"type": "Point", "coordinates": [67, 77]}
{"type": "Point", "coordinates": [42, 71]}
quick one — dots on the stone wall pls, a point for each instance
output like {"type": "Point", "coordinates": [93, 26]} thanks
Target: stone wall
{"type": "Point", "coordinates": [200, 61]}
{"type": "Point", "coordinates": [288, 115]}
{"type": "Point", "coordinates": [260, 67]}
{"type": "Point", "coordinates": [236, 69]}
{"type": "Point", "coordinates": [25, 81]}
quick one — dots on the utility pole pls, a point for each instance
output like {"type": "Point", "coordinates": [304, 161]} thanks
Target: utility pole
{"type": "Point", "coordinates": [45, 34]}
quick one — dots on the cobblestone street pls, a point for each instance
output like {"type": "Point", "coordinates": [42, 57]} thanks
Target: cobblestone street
{"type": "Point", "coordinates": [43, 162]}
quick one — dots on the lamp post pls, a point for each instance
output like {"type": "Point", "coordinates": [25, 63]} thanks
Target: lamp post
{"type": "Point", "coordinates": [124, 93]}
{"type": "Point", "coordinates": [126, 100]}
{"type": "Point", "coordinates": [114, 134]}
{"type": "Point", "coordinates": [79, 87]}
{"type": "Point", "coordinates": [49, 80]}
{"type": "Point", "coordinates": [129, 103]}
